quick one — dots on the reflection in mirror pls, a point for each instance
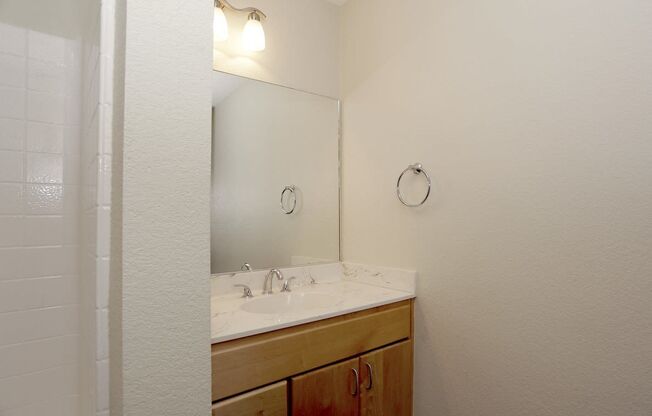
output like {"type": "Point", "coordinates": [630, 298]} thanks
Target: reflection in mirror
{"type": "Point", "coordinates": [275, 176]}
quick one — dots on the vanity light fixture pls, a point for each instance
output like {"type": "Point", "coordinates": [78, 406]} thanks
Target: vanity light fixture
{"type": "Point", "coordinates": [220, 25]}
{"type": "Point", "coordinates": [253, 35]}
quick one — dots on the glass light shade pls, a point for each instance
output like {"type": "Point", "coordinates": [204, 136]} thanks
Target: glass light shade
{"type": "Point", "coordinates": [220, 26]}
{"type": "Point", "coordinates": [253, 35]}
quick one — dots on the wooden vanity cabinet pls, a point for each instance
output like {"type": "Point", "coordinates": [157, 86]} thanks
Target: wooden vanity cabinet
{"type": "Point", "coordinates": [376, 384]}
{"type": "Point", "coordinates": [358, 364]}
{"type": "Point", "coordinates": [386, 381]}
{"type": "Point", "coordinates": [331, 390]}
{"type": "Point", "coordinates": [267, 401]}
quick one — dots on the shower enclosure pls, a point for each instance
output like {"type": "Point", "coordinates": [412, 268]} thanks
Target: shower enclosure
{"type": "Point", "coordinates": [55, 171]}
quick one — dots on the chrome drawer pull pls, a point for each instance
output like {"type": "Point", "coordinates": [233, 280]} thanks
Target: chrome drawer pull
{"type": "Point", "coordinates": [370, 371]}
{"type": "Point", "coordinates": [357, 382]}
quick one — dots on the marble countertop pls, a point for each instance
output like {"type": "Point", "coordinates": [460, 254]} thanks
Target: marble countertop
{"type": "Point", "coordinates": [349, 288]}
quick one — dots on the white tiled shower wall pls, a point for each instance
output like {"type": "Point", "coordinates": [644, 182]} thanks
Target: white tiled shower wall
{"type": "Point", "coordinates": [55, 158]}
{"type": "Point", "coordinates": [39, 222]}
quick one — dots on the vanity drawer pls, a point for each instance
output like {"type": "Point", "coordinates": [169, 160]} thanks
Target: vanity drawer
{"type": "Point", "coordinates": [247, 363]}
{"type": "Point", "coordinates": [270, 401]}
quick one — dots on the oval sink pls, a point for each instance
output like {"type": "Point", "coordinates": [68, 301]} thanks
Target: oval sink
{"type": "Point", "coordinates": [288, 303]}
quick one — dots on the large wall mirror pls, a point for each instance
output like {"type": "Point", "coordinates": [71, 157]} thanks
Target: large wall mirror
{"type": "Point", "coordinates": [275, 176]}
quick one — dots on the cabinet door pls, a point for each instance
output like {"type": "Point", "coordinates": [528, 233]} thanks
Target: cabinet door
{"type": "Point", "coordinates": [268, 401]}
{"type": "Point", "coordinates": [386, 381]}
{"type": "Point", "coordinates": [330, 391]}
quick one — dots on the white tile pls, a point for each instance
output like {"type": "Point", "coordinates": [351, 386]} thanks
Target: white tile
{"type": "Point", "coordinates": [55, 406]}
{"type": "Point", "coordinates": [45, 77]}
{"type": "Point", "coordinates": [71, 230]}
{"type": "Point", "coordinates": [12, 70]}
{"type": "Point", "coordinates": [92, 139]}
{"type": "Point", "coordinates": [72, 110]}
{"type": "Point", "coordinates": [106, 133]}
{"type": "Point", "coordinates": [103, 232]}
{"type": "Point", "coordinates": [12, 232]}
{"type": "Point", "coordinates": [90, 232]}
{"type": "Point", "coordinates": [43, 231]}
{"type": "Point", "coordinates": [93, 93]}
{"type": "Point", "coordinates": [107, 29]}
{"type": "Point", "coordinates": [71, 201]}
{"type": "Point", "coordinates": [44, 168]}
{"type": "Point", "coordinates": [43, 261]}
{"type": "Point", "coordinates": [102, 387]}
{"type": "Point", "coordinates": [11, 166]}
{"type": "Point", "coordinates": [105, 184]}
{"type": "Point", "coordinates": [106, 79]}
{"type": "Point", "coordinates": [11, 198]}
{"type": "Point", "coordinates": [45, 107]}
{"type": "Point", "coordinates": [24, 326]}
{"type": "Point", "coordinates": [49, 386]}
{"type": "Point", "coordinates": [73, 52]}
{"type": "Point", "coordinates": [43, 199]}
{"type": "Point", "coordinates": [12, 260]}
{"type": "Point", "coordinates": [38, 355]}
{"type": "Point", "coordinates": [44, 137]}
{"type": "Point", "coordinates": [44, 292]}
{"type": "Point", "coordinates": [71, 170]}
{"type": "Point", "coordinates": [12, 102]}
{"type": "Point", "coordinates": [93, 65]}
{"type": "Point", "coordinates": [72, 83]}
{"type": "Point", "coordinates": [71, 140]}
{"type": "Point", "coordinates": [90, 194]}
{"type": "Point", "coordinates": [46, 47]}
{"type": "Point", "coordinates": [71, 260]}
{"type": "Point", "coordinates": [102, 329]}
{"type": "Point", "coordinates": [13, 39]}
{"type": "Point", "coordinates": [71, 406]}
{"type": "Point", "coordinates": [33, 356]}
{"type": "Point", "coordinates": [102, 287]}
{"type": "Point", "coordinates": [12, 134]}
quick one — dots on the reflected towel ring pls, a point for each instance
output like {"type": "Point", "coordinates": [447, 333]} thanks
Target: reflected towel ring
{"type": "Point", "coordinates": [291, 189]}
{"type": "Point", "coordinates": [417, 169]}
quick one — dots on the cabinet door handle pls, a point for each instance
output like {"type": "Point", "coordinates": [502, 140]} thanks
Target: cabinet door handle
{"type": "Point", "coordinates": [356, 385]}
{"type": "Point", "coordinates": [370, 372]}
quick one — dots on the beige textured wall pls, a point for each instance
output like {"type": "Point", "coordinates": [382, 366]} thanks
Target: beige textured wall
{"type": "Point", "coordinates": [302, 45]}
{"type": "Point", "coordinates": [160, 355]}
{"type": "Point", "coordinates": [534, 252]}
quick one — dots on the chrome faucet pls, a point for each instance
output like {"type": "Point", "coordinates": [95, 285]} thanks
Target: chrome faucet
{"type": "Point", "coordinates": [267, 285]}
{"type": "Point", "coordinates": [246, 267]}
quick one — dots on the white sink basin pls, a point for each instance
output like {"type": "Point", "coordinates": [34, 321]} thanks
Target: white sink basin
{"type": "Point", "coordinates": [288, 302]}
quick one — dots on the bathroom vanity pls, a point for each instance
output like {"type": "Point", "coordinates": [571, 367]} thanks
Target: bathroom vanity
{"type": "Point", "coordinates": [349, 356]}
{"type": "Point", "coordinates": [318, 337]}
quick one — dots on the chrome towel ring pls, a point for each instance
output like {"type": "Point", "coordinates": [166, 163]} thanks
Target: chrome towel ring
{"type": "Point", "coordinates": [417, 169]}
{"type": "Point", "coordinates": [291, 189]}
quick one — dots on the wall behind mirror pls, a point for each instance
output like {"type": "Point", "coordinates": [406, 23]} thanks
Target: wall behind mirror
{"type": "Point", "coordinates": [266, 137]}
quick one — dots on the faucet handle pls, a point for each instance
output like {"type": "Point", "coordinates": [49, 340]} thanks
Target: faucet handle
{"type": "Point", "coordinates": [286, 284]}
{"type": "Point", "coordinates": [246, 292]}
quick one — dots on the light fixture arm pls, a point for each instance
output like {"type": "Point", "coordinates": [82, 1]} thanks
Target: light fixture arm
{"type": "Point", "coordinates": [224, 4]}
